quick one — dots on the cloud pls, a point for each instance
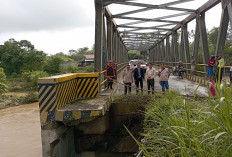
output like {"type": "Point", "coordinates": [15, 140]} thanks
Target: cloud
{"type": "Point", "coordinates": [44, 15]}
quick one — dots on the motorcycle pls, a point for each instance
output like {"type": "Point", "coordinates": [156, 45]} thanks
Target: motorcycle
{"type": "Point", "coordinates": [175, 70]}
{"type": "Point", "coordinates": [181, 73]}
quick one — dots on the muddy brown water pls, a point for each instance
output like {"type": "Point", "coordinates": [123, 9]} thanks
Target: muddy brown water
{"type": "Point", "coordinates": [20, 133]}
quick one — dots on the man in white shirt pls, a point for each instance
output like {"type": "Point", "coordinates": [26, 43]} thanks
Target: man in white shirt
{"type": "Point", "coordinates": [150, 75]}
{"type": "Point", "coordinates": [127, 77]}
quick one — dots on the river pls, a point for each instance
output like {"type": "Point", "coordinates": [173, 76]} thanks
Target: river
{"type": "Point", "coordinates": [20, 132]}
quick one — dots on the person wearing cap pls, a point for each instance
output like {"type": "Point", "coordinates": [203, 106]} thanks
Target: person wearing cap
{"type": "Point", "coordinates": [211, 64]}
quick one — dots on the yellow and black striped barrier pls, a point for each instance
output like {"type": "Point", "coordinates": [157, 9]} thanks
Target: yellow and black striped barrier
{"type": "Point", "coordinates": [56, 91]}
{"type": "Point", "coordinates": [198, 80]}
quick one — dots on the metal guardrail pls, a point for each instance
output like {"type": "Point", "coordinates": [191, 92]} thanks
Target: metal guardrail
{"type": "Point", "coordinates": [201, 65]}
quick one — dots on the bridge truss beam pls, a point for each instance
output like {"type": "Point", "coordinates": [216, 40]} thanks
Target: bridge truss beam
{"type": "Point", "coordinates": [112, 44]}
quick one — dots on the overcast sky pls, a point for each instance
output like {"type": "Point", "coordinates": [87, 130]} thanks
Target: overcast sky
{"type": "Point", "coordinates": [58, 25]}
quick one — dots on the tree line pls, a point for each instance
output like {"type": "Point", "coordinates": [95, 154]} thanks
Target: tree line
{"type": "Point", "coordinates": [17, 57]}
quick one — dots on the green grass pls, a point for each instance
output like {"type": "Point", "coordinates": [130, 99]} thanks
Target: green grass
{"type": "Point", "coordinates": [179, 126]}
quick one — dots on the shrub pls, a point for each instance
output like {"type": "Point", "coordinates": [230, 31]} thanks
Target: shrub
{"type": "Point", "coordinates": [30, 98]}
{"type": "Point", "coordinates": [68, 69]}
{"type": "Point", "coordinates": [178, 126]}
{"type": "Point", "coordinates": [34, 76]}
{"type": "Point", "coordinates": [3, 82]}
{"type": "Point", "coordinates": [138, 57]}
{"type": "Point", "coordinates": [90, 69]}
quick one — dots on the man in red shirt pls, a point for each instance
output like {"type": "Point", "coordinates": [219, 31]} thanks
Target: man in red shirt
{"type": "Point", "coordinates": [110, 74]}
{"type": "Point", "coordinates": [211, 64]}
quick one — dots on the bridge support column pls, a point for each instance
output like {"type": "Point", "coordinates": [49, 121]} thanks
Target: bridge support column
{"type": "Point", "coordinates": [168, 49]}
{"type": "Point", "coordinates": [154, 54]}
{"type": "Point", "coordinates": [182, 45]}
{"type": "Point", "coordinates": [163, 52]}
{"type": "Point", "coordinates": [196, 41]}
{"type": "Point", "coordinates": [203, 37]}
{"type": "Point", "coordinates": [172, 59]}
{"type": "Point", "coordinates": [157, 52]}
{"type": "Point", "coordinates": [229, 7]}
{"type": "Point", "coordinates": [117, 48]}
{"type": "Point", "coordinates": [221, 39]}
{"type": "Point", "coordinates": [105, 52]}
{"type": "Point", "coordinates": [114, 46]}
{"type": "Point", "coordinates": [175, 47]}
{"type": "Point", "coordinates": [109, 38]}
{"type": "Point", "coordinates": [160, 52]}
{"type": "Point", "coordinates": [98, 35]}
{"type": "Point", "coordinates": [186, 45]}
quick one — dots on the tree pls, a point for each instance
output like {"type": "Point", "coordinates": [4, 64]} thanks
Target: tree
{"type": "Point", "coordinates": [3, 82]}
{"type": "Point", "coordinates": [11, 56]}
{"type": "Point", "coordinates": [52, 65]}
{"type": "Point", "coordinates": [78, 57]}
{"type": "Point", "coordinates": [26, 45]}
{"type": "Point", "coordinates": [33, 60]}
{"type": "Point", "coordinates": [138, 57]}
{"type": "Point", "coordinates": [212, 37]}
{"type": "Point", "coordinates": [131, 54]}
{"type": "Point", "coordinates": [83, 50]}
{"type": "Point", "coordinates": [63, 57]}
{"type": "Point", "coordinates": [72, 52]}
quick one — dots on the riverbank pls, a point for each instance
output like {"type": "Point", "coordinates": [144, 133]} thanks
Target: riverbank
{"type": "Point", "coordinates": [176, 125]}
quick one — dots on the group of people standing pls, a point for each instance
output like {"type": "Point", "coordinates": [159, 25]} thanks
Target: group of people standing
{"type": "Point", "coordinates": [215, 68]}
{"type": "Point", "coordinates": [138, 75]}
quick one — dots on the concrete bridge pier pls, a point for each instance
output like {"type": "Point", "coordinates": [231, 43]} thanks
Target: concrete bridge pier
{"type": "Point", "coordinates": [57, 140]}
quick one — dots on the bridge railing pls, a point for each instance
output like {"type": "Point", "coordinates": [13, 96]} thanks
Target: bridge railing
{"type": "Point", "coordinates": [57, 91]}
{"type": "Point", "coordinates": [201, 73]}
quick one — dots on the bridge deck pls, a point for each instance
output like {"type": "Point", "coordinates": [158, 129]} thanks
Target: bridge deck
{"type": "Point", "coordinates": [95, 107]}
{"type": "Point", "coordinates": [86, 108]}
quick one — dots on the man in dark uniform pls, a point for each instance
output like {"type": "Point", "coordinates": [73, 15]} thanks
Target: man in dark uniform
{"type": "Point", "coordinates": [110, 74]}
{"type": "Point", "coordinates": [139, 77]}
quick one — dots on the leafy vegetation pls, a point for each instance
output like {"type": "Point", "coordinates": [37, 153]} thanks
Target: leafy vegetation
{"type": "Point", "coordinates": [21, 65]}
{"type": "Point", "coordinates": [3, 82]}
{"type": "Point", "coordinates": [179, 126]}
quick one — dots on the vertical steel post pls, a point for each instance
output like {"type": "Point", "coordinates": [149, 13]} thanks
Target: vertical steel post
{"type": "Point", "coordinates": [98, 35]}
{"type": "Point", "coordinates": [203, 37]}
{"type": "Point", "coordinates": [222, 32]}
{"type": "Point", "coordinates": [186, 45]}
{"type": "Point", "coordinates": [109, 38]}
{"type": "Point", "coordinates": [163, 52]}
{"type": "Point", "coordinates": [168, 49]}
{"type": "Point", "coordinates": [182, 45]}
{"type": "Point", "coordinates": [196, 41]}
